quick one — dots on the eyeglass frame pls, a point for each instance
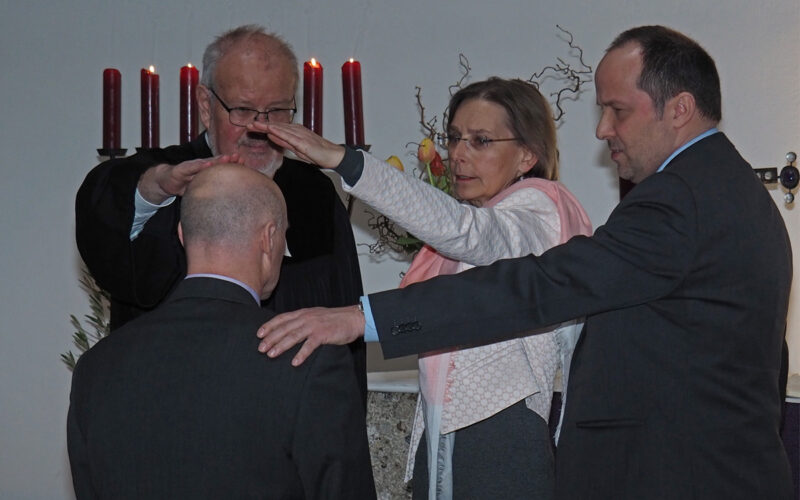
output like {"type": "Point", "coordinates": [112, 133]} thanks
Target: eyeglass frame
{"type": "Point", "coordinates": [257, 112]}
{"type": "Point", "coordinates": [477, 143]}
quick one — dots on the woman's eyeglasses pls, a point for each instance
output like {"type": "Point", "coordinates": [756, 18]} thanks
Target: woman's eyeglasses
{"type": "Point", "coordinates": [476, 142]}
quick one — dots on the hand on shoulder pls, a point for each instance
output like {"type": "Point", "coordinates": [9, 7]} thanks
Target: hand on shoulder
{"type": "Point", "coordinates": [313, 327]}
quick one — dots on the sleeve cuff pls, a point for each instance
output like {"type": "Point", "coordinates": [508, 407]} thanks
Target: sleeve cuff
{"type": "Point", "coordinates": [143, 211]}
{"type": "Point", "coordinates": [351, 167]}
{"type": "Point", "coordinates": [370, 331]}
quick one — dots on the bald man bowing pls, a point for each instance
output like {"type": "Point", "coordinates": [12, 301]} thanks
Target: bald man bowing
{"type": "Point", "coordinates": [179, 404]}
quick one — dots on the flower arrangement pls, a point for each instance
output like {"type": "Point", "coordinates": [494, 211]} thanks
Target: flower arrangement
{"type": "Point", "coordinates": [437, 173]}
{"type": "Point", "coordinates": [434, 169]}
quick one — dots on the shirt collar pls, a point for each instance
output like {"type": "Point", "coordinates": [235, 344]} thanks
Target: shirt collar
{"type": "Point", "coordinates": [229, 280]}
{"type": "Point", "coordinates": [675, 153]}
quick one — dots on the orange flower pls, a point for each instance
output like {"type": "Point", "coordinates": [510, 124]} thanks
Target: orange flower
{"type": "Point", "coordinates": [437, 165]}
{"type": "Point", "coordinates": [426, 151]}
{"type": "Point", "coordinates": [395, 162]}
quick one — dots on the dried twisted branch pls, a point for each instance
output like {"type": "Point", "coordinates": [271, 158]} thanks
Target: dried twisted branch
{"type": "Point", "coordinates": [390, 237]}
{"type": "Point", "coordinates": [465, 69]}
{"type": "Point", "coordinates": [429, 126]}
{"type": "Point", "coordinates": [575, 77]}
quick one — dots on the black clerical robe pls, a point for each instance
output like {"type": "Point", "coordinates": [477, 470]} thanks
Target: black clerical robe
{"type": "Point", "coordinates": [322, 270]}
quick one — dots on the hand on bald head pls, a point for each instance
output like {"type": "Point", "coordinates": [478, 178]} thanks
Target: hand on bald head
{"type": "Point", "coordinates": [228, 214]}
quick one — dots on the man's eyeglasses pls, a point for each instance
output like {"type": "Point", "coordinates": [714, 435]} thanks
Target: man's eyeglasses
{"type": "Point", "coordinates": [477, 142]}
{"type": "Point", "coordinates": [245, 116]}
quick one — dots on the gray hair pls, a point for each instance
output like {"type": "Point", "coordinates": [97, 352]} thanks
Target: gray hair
{"type": "Point", "coordinates": [219, 47]}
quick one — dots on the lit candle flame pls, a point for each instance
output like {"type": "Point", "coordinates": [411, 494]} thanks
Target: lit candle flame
{"type": "Point", "coordinates": [352, 60]}
{"type": "Point", "coordinates": [188, 64]}
{"type": "Point", "coordinates": [314, 62]}
{"type": "Point", "coordinates": [152, 69]}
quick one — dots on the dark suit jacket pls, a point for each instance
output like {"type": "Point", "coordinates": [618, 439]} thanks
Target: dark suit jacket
{"type": "Point", "coordinates": [674, 387]}
{"type": "Point", "coordinates": [179, 404]}
{"type": "Point", "coordinates": [322, 271]}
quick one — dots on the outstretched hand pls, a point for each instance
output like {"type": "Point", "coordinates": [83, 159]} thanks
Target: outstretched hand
{"type": "Point", "coordinates": [315, 326]}
{"type": "Point", "coordinates": [304, 143]}
{"type": "Point", "coordinates": [162, 181]}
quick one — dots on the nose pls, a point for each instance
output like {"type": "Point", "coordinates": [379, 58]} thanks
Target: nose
{"type": "Point", "coordinates": [604, 129]}
{"type": "Point", "coordinates": [456, 151]}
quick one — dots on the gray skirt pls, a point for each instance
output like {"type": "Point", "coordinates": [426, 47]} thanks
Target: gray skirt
{"type": "Point", "coordinates": [508, 455]}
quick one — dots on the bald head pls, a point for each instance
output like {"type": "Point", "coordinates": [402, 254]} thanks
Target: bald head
{"type": "Point", "coordinates": [226, 204]}
{"type": "Point", "coordinates": [233, 222]}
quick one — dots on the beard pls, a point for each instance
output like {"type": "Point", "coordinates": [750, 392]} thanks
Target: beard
{"type": "Point", "coordinates": [254, 149]}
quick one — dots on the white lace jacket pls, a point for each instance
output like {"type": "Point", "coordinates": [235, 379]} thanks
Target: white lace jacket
{"type": "Point", "coordinates": [484, 380]}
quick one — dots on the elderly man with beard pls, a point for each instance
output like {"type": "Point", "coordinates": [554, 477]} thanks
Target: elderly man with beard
{"type": "Point", "coordinates": [126, 209]}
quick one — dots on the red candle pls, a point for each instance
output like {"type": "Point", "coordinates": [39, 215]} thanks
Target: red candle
{"type": "Point", "coordinates": [312, 96]}
{"type": "Point", "coordinates": [150, 131]}
{"type": "Point", "coordinates": [188, 93]}
{"type": "Point", "coordinates": [353, 113]}
{"type": "Point", "coordinates": [111, 109]}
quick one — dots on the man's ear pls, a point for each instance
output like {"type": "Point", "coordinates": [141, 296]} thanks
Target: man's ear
{"type": "Point", "coordinates": [267, 240]}
{"type": "Point", "coordinates": [681, 109]}
{"type": "Point", "coordinates": [204, 103]}
{"type": "Point", "coordinates": [180, 234]}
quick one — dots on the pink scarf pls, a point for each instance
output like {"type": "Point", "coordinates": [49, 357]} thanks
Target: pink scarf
{"type": "Point", "coordinates": [429, 263]}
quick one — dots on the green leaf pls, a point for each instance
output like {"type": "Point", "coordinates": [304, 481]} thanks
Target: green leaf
{"type": "Point", "coordinates": [406, 240]}
{"type": "Point", "coordinates": [69, 359]}
{"type": "Point", "coordinates": [97, 323]}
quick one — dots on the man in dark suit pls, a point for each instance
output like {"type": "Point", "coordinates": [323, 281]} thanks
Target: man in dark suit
{"type": "Point", "coordinates": [127, 209]}
{"type": "Point", "coordinates": [674, 386]}
{"type": "Point", "coordinates": [179, 404]}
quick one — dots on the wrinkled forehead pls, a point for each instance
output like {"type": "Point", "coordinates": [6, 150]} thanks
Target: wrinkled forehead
{"type": "Point", "coordinates": [256, 65]}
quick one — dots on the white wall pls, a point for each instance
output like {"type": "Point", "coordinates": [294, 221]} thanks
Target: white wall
{"type": "Point", "coordinates": [52, 58]}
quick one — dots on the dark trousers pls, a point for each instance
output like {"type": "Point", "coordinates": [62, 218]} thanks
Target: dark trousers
{"type": "Point", "coordinates": [508, 455]}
